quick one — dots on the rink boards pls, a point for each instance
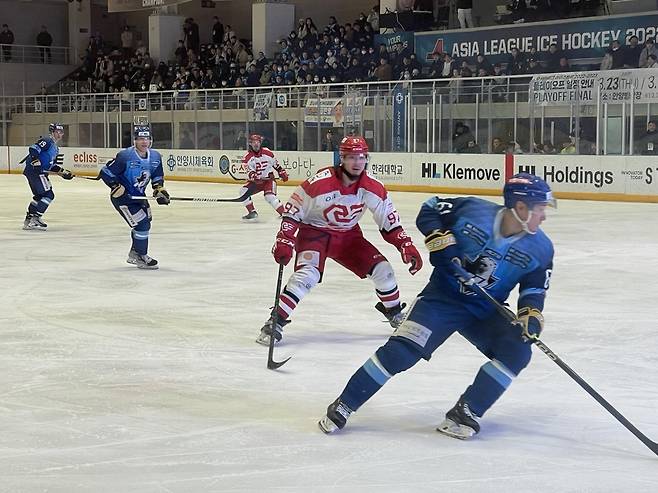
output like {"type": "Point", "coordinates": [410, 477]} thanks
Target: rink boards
{"type": "Point", "coordinates": [617, 178]}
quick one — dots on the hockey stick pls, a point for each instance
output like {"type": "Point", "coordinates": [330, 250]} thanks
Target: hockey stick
{"type": "Point", "coordinates": [241, 198]}
{"type": "Point", "coordinates": [95, 178]}
{"type": "Point", "coordinates": [511, 317]}
{"type": "Point", "coordinates": [271, 364]}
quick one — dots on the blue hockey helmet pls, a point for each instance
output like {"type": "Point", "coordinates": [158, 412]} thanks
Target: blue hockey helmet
{"type": "Point", "coordinates": [55, 126]}
{"type": "Point", "coordinates": [529, 189]}
{"type": "Point", "coordinates": [142, 132]}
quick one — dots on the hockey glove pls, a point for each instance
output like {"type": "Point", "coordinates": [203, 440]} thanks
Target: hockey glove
{"type": "Point", "coordinates": [161, 195]}
{"type": "Point", "coordinates": [442, 246]}
{"type": "Point", "coordinates": [36, 164]}
{"type": "Point", "coordinates": [282, 251]}
{"type": "Point", "coordinates": [117, 191]}
{"type": "Point", "coordinates": [66, 174]}
{"type": "Point", "coordinates": [531, 322]}
{"type": "Point", "coordinates": [283, 174]}
{"type": "Point", "coordinates": [401, 240]}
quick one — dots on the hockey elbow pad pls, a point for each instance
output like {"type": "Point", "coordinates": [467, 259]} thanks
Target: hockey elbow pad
{"type": "Point", "coordinates": [531, 322]}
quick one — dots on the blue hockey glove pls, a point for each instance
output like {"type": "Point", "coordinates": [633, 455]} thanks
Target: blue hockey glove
{"type": "Point", "coordinates": [531, 322]}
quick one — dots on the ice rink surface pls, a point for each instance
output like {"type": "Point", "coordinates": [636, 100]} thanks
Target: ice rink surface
{"type": "Point", "coordinates": [114, 379]}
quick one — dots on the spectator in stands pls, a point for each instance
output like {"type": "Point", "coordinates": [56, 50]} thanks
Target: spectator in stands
{"type": "Point", "coordinates": [652, 61]}
{"type": "Point", "coordinates": [465, 13]}
{"type": "Point", "coordinates": [513, 148]}
{"type": "Point", "coordinates": [481, 63]}
{"type": "Point", "coordinates": [516, 64]}
{"type": "Point", "coordinates": [649, 49]}
{"type": "Point", "coordinates": [373, 18]}
{"type": "Point", "coordinates": [329, 143]}
{"type": "Point", "coordinates": [472, 147]}
{"type": "Point", "coordinates": [461, 138]}
{"type": "Point", "coordinates": [553, 58]}
{"type": "Point", "coordinates": [569, 146]}
{"type": "Point", "coordinates": [547, 148]}
{"type": "Point", "coordinates": [632, 53]}
{"type": "Point", "coordinates": [606, 62]}
{"type": "Point", "coordinates": [191, 30]}
{"type": "Point", "coordinates": [186, 141]}
{"type": "Point", "coordinates": [534, 67]}
{"type": "Point", "coordinates": [498, 87]}
{"type": "Point", "coordinates": [6, 38]}
{"type": "Point", "coordinates": [181, 54]}
{"type": "Point", "coordinates": [127, 42]}
{"type": "Point", "coordinates": [384, 71]}
{"type": "Point", "coordinates": [217, 34]}
{"type": "Point", "coordinates": [617, 54]}
{"type": "Point", "coordinates": [45, 40]}
{"type": "Point", "coordinates": [648, 143]}
{"type": "Point", "coordinates": [564, 65]}
{"type": "Point", "coordinates": [497, 146]}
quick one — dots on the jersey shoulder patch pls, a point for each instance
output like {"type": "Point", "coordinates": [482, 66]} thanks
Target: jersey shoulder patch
{"type": "Point", "coordinates": [373, 185]}
{"type": "Point", "coordinates": [322, 182]}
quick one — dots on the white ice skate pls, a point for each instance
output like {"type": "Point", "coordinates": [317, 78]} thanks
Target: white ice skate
{"type": "Point", "coordinates": [33, 222]}
{"type": "Point", "coordinates": [141, 261]}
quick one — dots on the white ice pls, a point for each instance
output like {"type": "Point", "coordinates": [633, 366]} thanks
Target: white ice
{"type": "Point", "coordinates": [114, 379]}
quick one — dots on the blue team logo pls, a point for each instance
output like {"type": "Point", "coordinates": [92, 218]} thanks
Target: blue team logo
{"type": "Point", "coordinates": [142, 180]}
{"type": "Point", "coordinates": [224, 164]}
{"type": "Point", "coordinates": [482, 268]}
{"type": "Point", "coordinates": [171, 162]}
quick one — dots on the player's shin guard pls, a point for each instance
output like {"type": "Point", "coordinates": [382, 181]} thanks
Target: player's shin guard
{"type": "Point", "coordinates": [299, 285]}
{"type": "Point", "coordinates": [394, 357]}
{"type": "Point", "coordinates": [274, 201]}
{"type": "Point", "coordinates": [140, 240]}
{"type": "Point", "coordinates": [490, 383]}
{"type": "Point", "coordinates": [386, 286]}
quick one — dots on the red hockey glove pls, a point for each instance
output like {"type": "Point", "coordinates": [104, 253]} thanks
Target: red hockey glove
{"type": "Point", "coordinates": [410, 255]}
{"type": "Point", "coordinates": [283, 174]}
{"type": "Point", "coordinates": [282, 251]}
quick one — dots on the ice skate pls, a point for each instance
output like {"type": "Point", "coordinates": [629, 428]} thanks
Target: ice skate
{"type": "Point", "coordinates": [251, 216]}
{"type": "Point", "coordinates": [266, 331]}
{"type": "Point", "coordinates": [141, 261]}
{"type": "Point", "coordinates": [394, 315]}
{"type": "Point", "coordinates": [336, 417]}
{"type": "Point", "coordinates": [33, 222]}
{"type": "Point", "coordinates": [460, 422]}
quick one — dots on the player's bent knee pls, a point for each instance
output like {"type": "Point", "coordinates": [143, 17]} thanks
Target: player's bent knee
{"type": "Point", "coordinates": [303, 280]}
{"type": "Point", "coordinates": [398, 355]}
{"type": "Point", "coordinates": [49, 195]}
{"type": "Point", "coordinates": [383, 276]}
{"type": "Point", "coordinates": [518, 360]}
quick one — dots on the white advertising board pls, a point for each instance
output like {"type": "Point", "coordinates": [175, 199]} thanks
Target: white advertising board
{"type": "Point", "coordinates": [390, 168]}
{"type": "Point", "coordinates": [459, 171]}
{"type": "Point", "coordinates": [594, 175]}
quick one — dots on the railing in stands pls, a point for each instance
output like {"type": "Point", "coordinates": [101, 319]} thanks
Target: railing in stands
{"type": "Point", "coordinates": [13, 53]}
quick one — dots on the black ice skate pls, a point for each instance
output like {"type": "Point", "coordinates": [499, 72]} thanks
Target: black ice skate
{"type": "Point", "coordinates": [460, 422]}
{"type": "Point", "coordinates": [266, 331]}
{"type": "Point", "coordinates": [394, 315]}
{"type": "Point", "coordinates": [141, 261]}
{"type": "Point", "coordinates": [336, 417]}
{"type": "Point", "coordinates": [251, 216]}
{"type": "Point", "coordinates": [33, 221]}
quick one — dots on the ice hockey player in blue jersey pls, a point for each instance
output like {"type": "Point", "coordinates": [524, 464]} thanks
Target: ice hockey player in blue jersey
{"type": "Point", "coordinates": [43, 158]}
{"type": "Point", "coordinates": [470, 240]}
{"type": "Point", "coordinates": [127, 175]}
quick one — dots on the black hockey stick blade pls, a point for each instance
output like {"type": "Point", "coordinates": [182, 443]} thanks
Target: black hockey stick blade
{"type": "Point", "coordinates": [271, 364]}
{"type": "Point", "coordinates": [511, 317]}
{"type": "Point", "coordinates": [241, 198]}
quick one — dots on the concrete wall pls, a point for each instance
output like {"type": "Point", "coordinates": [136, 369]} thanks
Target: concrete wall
{"type": "Point", "coordinates": [25, 19]}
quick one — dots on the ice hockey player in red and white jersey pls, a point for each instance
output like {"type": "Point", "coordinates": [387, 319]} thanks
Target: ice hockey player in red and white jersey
{"type": "Point", "coordinates": [321, 221]}
{"type": "Point", "coordinates": [261, 165]}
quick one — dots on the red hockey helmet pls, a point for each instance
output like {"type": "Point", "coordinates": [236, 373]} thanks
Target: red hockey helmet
{"type": "Point", "coordinates": [256, 138]}
{"type": "Point", "coordinates": [353, 145]}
